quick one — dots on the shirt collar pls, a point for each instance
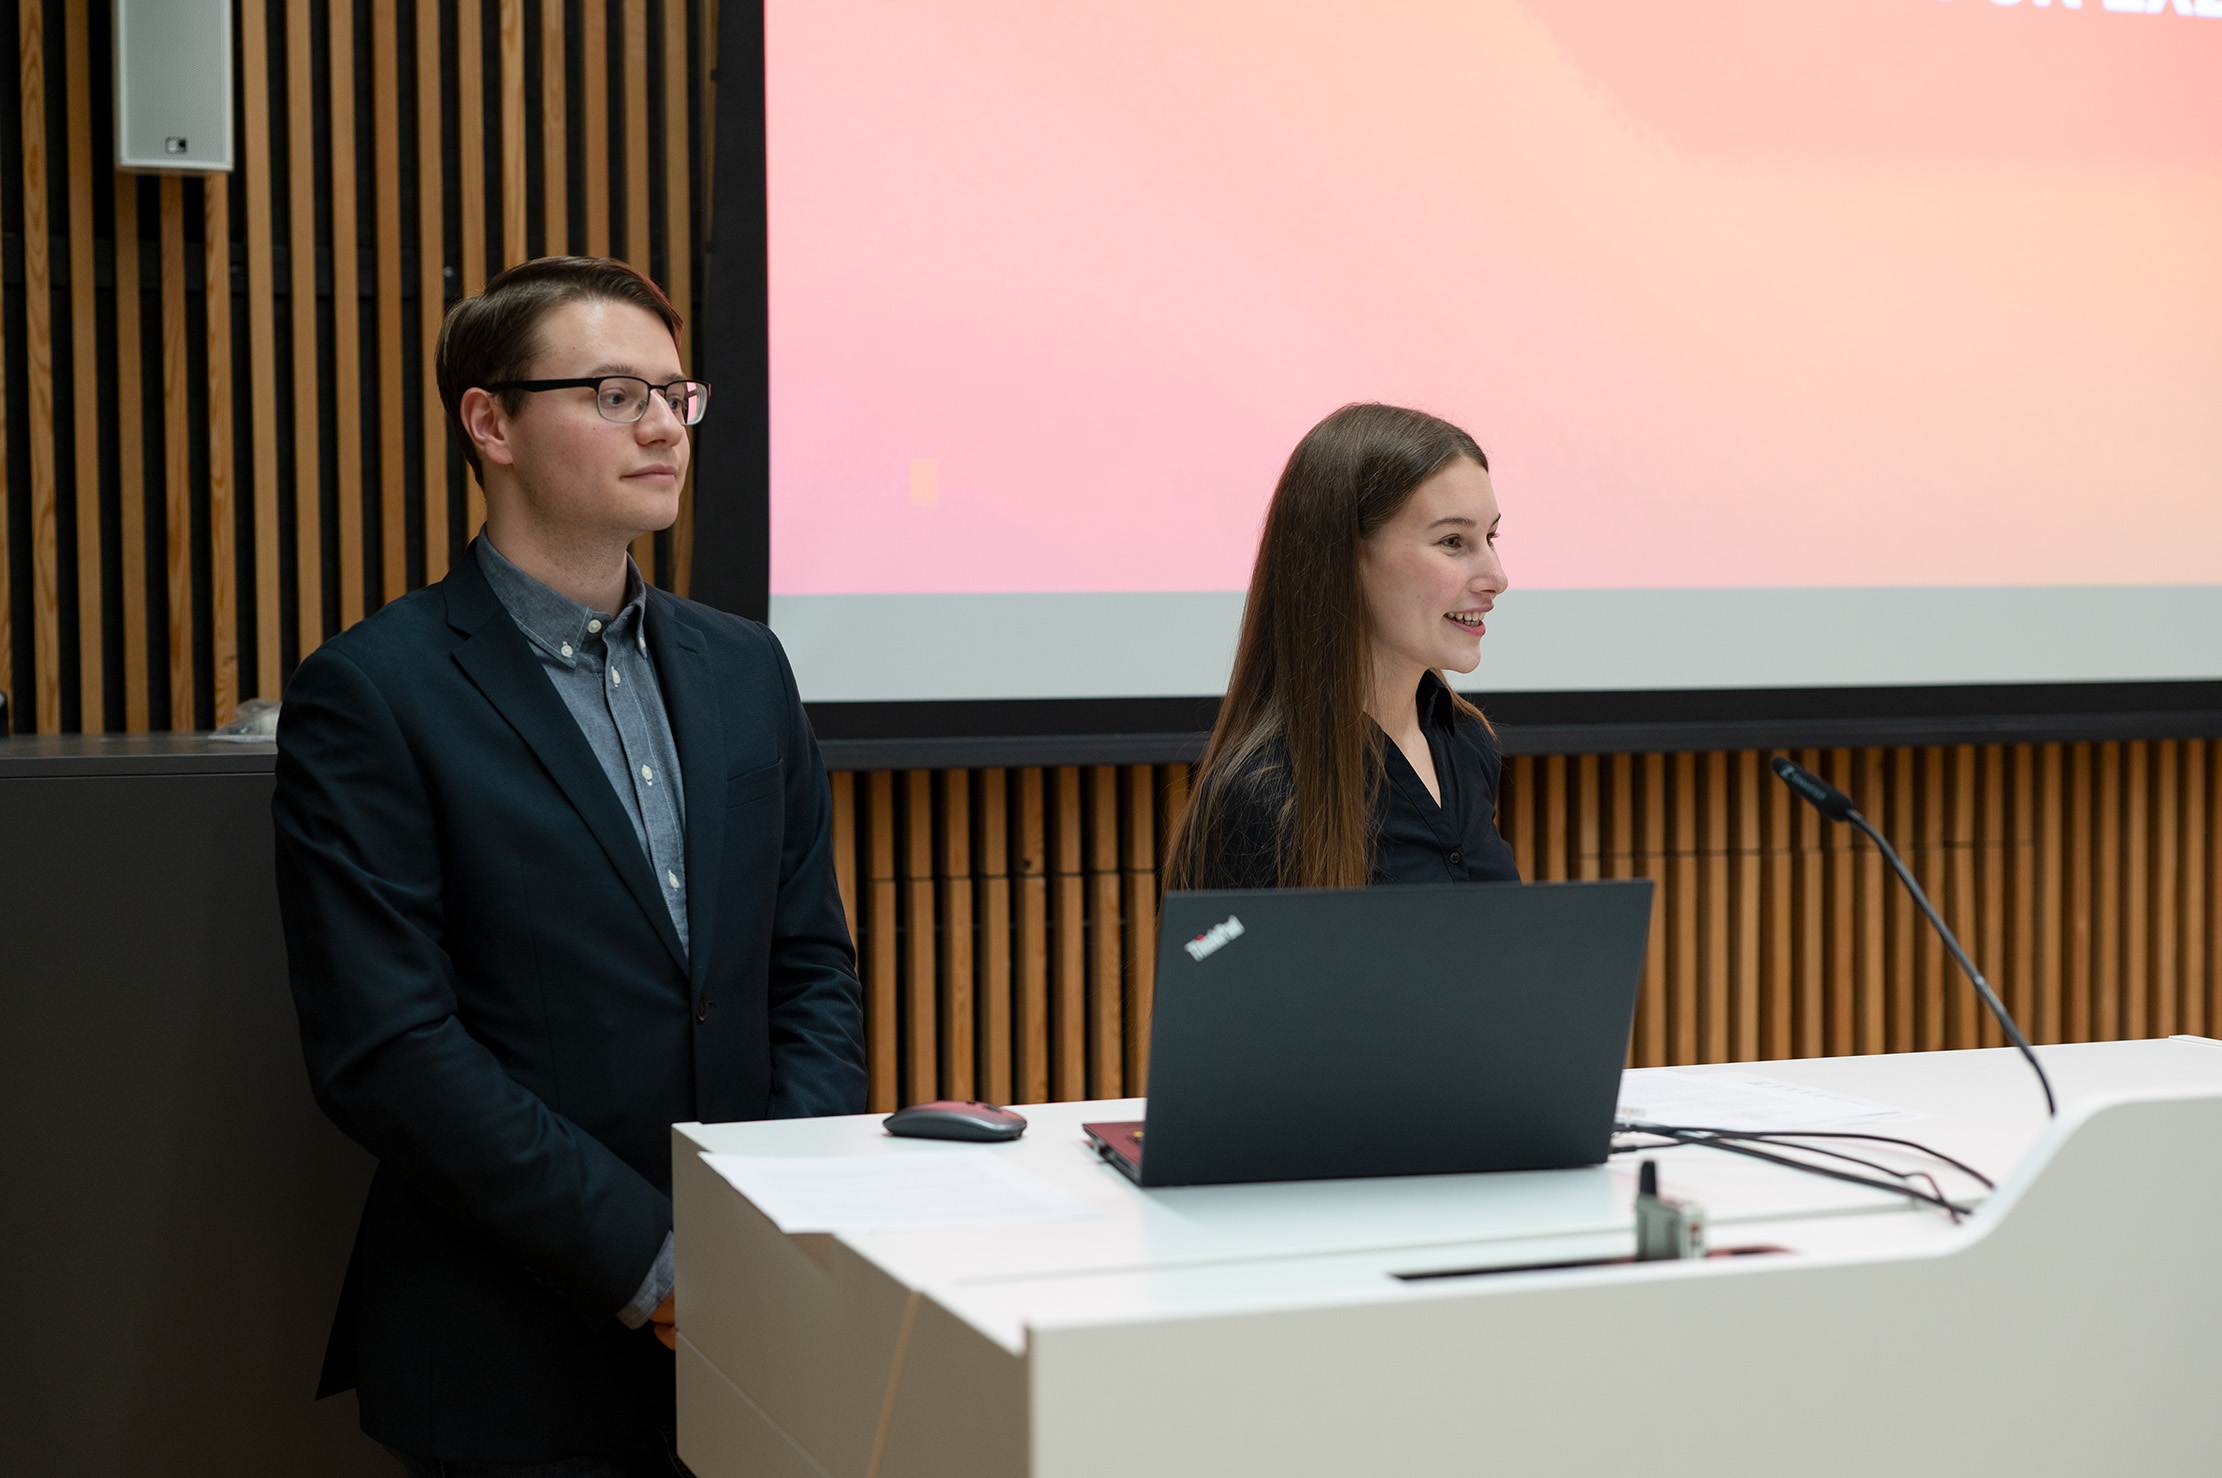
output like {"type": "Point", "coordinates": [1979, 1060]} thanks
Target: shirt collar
{"type": "Point", "coordinates": [1438, 709]}
{"type": "Point", "coordinates": [551, 620]}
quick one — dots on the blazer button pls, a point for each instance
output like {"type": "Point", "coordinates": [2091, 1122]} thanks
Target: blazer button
{"type": "Point", "coordinates": [1458, 859]}
{"type": "Point", "coordinates": [702, 1012]}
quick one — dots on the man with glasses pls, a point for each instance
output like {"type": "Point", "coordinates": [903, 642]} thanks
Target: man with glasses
{"type": "Point", "coordinates": [556, 871]}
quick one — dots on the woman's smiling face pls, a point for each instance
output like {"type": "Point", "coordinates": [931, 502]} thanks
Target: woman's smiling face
{"type": "Point", "coordinates": [1431, 573]}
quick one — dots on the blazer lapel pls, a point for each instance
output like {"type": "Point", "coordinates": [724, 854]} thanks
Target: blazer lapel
{"type": "Point", "coordinates": [499, 661]}
{"type": "Point", "coordinates": [690, 698]}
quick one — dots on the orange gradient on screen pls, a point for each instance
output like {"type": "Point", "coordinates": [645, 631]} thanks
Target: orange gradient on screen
{"type": "Point", "coordinates": [1735, 292]}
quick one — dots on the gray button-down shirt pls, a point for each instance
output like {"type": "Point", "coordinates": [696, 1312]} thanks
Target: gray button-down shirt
{"type": "Point", "coordinates": [600, 664]}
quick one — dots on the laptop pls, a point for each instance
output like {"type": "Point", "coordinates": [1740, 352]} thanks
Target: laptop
{"type": "Point", "coordinates": [1324, 1033]}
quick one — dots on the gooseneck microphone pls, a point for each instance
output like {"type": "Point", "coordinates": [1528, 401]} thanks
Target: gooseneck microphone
{"type": "Point", "coordinates": [1837, 806]}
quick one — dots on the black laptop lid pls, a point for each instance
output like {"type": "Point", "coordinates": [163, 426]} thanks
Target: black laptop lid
{"type": "Point", "coordinates": [1313, 1033]}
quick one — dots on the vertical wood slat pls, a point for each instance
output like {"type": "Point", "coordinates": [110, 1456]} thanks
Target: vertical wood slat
{"type": "Point", "coordinates": [2076, 1017]}
{"type": "Point", "coordinates": [1840, 1018]}
{"type": "Point", "coordinates": [1139, 842]}
{"type": "Point", "coordinates": [2135, 985]}
{"type": "Point", "coordinates": [881, 963]}
{"type": "Point", "coordinates": [470, 170]}
{"type": "Point", "coordinates": [594, 124]}
{"type": "Point", "coordinates": [1931, 1032]}
{"type": "Point", "coordinates": [85, 394]}
{"type": "Point", "coordinates": [637, 235]}
{"type": "Point", "coordinates": [921, 993]}
{"type": "Point", "coordinates": [1107, 1019]}
{"type": "Point", "coordinates": [1031, 1007]}
{"type": "Point", "coordinates": [1961, 1007]}
{"type": "Point", "coordinates": [223, 553]}
{"type": "Point", "coordinates": [1810, 925]}
{"type": "Point", "coordinates": [1717, 962]}
{"type": "Point", "coordinates": [2021, 962]}
{"type": "Point", "coordinates": [1904, 950]}
{"type": "Point", "coordinates": [1746, 985]}
{"type": "Point", "coordinates": [2047, 923]}
{"type": "Point", "coordinates": [176, 478]}
{"type": "Point", "coordinates": [633, 20]}
{"type": "Point", "coordinates": [1874, 1002]}
{"type": "Point", "coordinates": [2196, 923]}
{"type": "Point", "coordinates": [511, 17]}
{"type": "Point", "coordinates": [38, 366]}
{"type": "Point", "coordinates": [1990, 842]}
{"type": "Point", "coordinates": [1652, 1018]}
{"type": "Point", "coordinates": [308, 503]}
{"type": "Point", "coordinates": [555, 199]}
{"type": "Point", "coordinates": [1069, 978]}
{"type": "Point", "coordinates": [842, 787]}
{"type": "Point", "coordinates": [994, 962]}
{"type": "Point", "coordinates": [131, 456]}
{"type": "Point", "coordinates": [262, 343]}
{"type": "Point", "coordinates": [679, 260]}
{"type": "Point", "coordinates": [393, 486]}
{"type": "Point", "coordinates": [347, 396]}
{"type": "Point", "coordinates": [431, 288]}
{"type": "Point", "coordinates": [2163, 960]}
{"type": "Point", "coordinates": [953, 878]}
{"type": "Point", "coordinates": [2106, 952]}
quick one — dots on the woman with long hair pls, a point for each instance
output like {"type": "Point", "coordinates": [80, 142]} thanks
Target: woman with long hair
{"type": "Point", "coordinates": [1341, 758]}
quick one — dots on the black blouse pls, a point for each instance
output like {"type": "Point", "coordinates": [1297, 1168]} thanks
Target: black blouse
{"type": "Point", "coordinates": [1415, 840]}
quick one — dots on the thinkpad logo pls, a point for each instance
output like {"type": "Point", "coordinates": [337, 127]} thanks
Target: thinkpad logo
{"type": "Point", "coordinates": [1214, 938]}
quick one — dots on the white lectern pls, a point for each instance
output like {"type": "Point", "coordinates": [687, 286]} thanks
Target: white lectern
{"type": "Point", "coordinates": [2072, 1325]}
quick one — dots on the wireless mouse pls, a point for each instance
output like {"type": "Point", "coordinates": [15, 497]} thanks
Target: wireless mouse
{"type": "Point", "coordinates": [948, 1118]}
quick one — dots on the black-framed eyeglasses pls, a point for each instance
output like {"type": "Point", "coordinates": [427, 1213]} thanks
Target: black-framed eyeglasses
{"type": "Point", "coordinates": [624, 398]}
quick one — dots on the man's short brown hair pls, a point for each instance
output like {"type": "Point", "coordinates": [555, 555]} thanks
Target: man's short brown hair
{"type": "Point", "coordinates": [494, 336]}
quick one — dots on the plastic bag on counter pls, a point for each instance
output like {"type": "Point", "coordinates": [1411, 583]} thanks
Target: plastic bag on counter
{"type": "Point", "coordinates": [257, 721]}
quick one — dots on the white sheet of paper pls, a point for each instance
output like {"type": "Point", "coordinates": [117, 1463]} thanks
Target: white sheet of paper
{"type": "Point", "coordinates": [1666, 1095]}
{"type": "Point", "coordinates": [901, 1192]}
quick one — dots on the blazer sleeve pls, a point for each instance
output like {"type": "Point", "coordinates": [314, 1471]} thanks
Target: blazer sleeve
{"type": "Point", "coordinates": [817, 1005]}
{"type": "Point", "coordinates": [359, 891]}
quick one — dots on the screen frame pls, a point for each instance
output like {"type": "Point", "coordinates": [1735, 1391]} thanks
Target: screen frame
{"type": "Point", "coordinates": [730, 569]}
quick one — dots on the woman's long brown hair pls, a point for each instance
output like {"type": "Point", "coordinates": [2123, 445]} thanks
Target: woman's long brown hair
{"type": "Point", "coordinates": [1301, 666]}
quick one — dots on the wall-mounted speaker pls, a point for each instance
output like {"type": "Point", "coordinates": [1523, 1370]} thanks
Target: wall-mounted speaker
{"type": "Point", "coordinates": [173, 84]}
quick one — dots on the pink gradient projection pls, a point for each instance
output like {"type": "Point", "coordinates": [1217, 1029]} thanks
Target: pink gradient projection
{"type": "Point", "coordinates": [1735, 292]}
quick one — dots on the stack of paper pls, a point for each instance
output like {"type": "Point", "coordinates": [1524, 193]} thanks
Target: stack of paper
{"type": "Point", "coordinates": [904, 1191]}
{"type": "Point", "coordinates": [1664, 1095]}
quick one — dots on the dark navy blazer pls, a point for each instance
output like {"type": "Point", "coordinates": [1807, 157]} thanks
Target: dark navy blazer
{"type": "Point", "coordinates": [494, 1002]}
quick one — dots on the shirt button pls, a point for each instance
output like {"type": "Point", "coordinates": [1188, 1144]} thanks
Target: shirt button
{"type": "Point", "coordinates": [648, 774]}
{"type": "Point", "coordinates": [566, 649]}
{"type": "Point", "coordinates": [1457, 859]}
{"type": "Point", "coordinates": [672, 878]}
{"type": "Point", "coordinates": [614, 678]}
{"type": "Point", "coordinates": [643, 644]}
{"type": "Point", "coordinates": [593, 626]}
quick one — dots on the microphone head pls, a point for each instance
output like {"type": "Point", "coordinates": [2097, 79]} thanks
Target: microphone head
{"type": "Point", "coordinates": [1816, 792]}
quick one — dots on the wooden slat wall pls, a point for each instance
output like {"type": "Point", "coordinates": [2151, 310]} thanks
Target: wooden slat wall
{"type": "Point", "coordinates": [207, 495]}
{"type": "Point", "coordinates": [1007, 929]}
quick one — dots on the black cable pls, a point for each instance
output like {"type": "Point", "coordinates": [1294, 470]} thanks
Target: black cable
{"type": "Point", "coordinates": [1665, 1132]}
{"type": "Point", "coordinates": [1811, 1149]}
{"type": "Point", "coordinates": [1793, 1134]}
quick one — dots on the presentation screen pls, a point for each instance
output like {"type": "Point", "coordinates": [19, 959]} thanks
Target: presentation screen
{"type": "Point", "coordinates": [1812, 342]}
